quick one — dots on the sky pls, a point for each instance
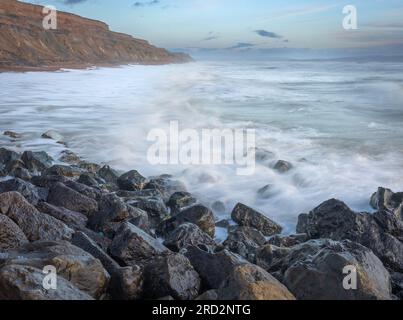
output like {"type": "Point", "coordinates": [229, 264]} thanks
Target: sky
{"type": "Point", "coordinates": [247, 26]}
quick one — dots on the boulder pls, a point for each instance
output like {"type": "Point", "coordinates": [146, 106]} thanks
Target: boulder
{"type": "Point", "coordinates": [386, 199]}
{"type": "Point", "coordinates": [30, 192]}
{"type": "Point", "coordinates": [381, 232]}
{"type": "Point", "coordinates": [91, 180]}
{"type": "Point", "coordinates": [288, 241]}
{"type": "Point", "coordinates": [11, 236]}
{"type": "Point", "coordinates": [213, 267]}
{"type": "Point", "coordinates": [247, 217]}
{"type": "Point", "coordinates": [113, 209]}
{"type": "Point", "coordinates": [12, 288]}
{"type": "Point", "coordinates": [282, 166]}
{"type": "Point", "coordinates": [53, 135]}
{"type": "Point", "coordinates": [127, 284]}
{"type": "Point", "coordinates": [12, 134]}
{"type": "Point", "coordinates": [72, 219]}
{"type": "Point", "coordinates": [321, 275]}
{"type": "Point", "coordinates": [181, 200]}
{"type": "Point", "coordinates": [199, 215]}
{"type": "Point", "coordinates": [62, 170]}
{"type": "Point", "coordinates": [250, 282]}
{"type": "Point", "coordinates": [7, 156]}
{"type": "Point", "coordinates": [36, 161]}
{"type": "Point", "coordinates": [171, 275]}
{"type": "Point", "coordinates": [131, 181]}
{"type": "Point", "coordinates": [63, 196]}
{"type": "Point", "coordinates": [154, 206]}
{"type": "Point", "coordinates": [35, 225]}
{"type": "Point", "coordinates": [132, 246]}
{"type": "Point", "coordinates": [187, 234]}
{"type": "Point", "coordinates": [244, 241]}
{"type": "Point", "coordinates": [83, 189]}
{"type": "Point", "coordinates": [68, 156]}
{"type": "Point", "coordinates": [75, 265]}
{"type": "Point", "coordinates": [166, 186]}
{"type": "Point", "coordinates": [266, 192]}
{"type": "Point", "coordinates": [108, 174]}
{"type": "Point", "coordinates": [81, 240]}
{"type": "Point", "coordinates": [210, 295]}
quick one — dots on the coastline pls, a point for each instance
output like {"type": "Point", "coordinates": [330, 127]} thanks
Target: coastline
{"type": "Point", "coordinates": [139, 232]}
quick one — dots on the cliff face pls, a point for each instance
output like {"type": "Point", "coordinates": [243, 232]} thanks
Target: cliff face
{"type": "Point", "coordinates": [77, 42]}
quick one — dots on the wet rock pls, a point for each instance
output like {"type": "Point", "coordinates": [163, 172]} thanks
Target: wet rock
{"type": "Point", "coordinates": [7, 156]}
{"type": "Point", "coordinates": [36, 161]}
{"type": "Point", "coordinates": [154, 206]}
{"type": "Point", "coordinates": [397, 284]}
{"type": "Point", "coordinates": [386, 199]}
{"type": "Point", "coordinates": [81, 240]}
{"type": "Point", "coordinates": [266, 192]}
{"type": "Point", "coordinates": [181, 200]}
{"type": "Point", "coordinates": [171, 275]}
{"type": "Point", "coordinates": [12, 288]}
{"type": "Point", "coordinates": [11, 236]}
{"type": "Point", "coordinates": [53, 135]}
{"type": "Point", "coordinates": [90, 180]}
{"type": "Point", "coordinates": [199, 215]}
{"type": "Point", "coordinates": [282, 166]}
{"type": "Point", "coordinates": [166, 186]}
{"type": "Point", "coordinates": [89, 167]}
{"type": "Point", "coordinates": [113, 209]}
{"type": "Point", "coordinates": [188, 234]}
{"type": "Point", "coordinates": [108, 174]}
{"type": "Point", "coordinates": [30, 192]}
{"type": "Point", "coordinates": [133, 195]}
{"type": "Point", "coordinates": [212, 267]}
{"type": "Point", "coordinates": [131, 181]}
{"type": "Point", "coordinates": [250, 282]}
{"type": "Point", "coordinates": [333, 219]}
{"type": "Point", "coordinates": [72, 219]}
{"type": "Point", "coordinates": [132, 246]}
{"type": "Point", "coordinates": [245, 241]}
{"type": "Point", "coordinates": [35, 225]}
{"type": "Point", "coordinates": [69, 157]}
{"type": "Point", "coordinates": [272, 258]}
{"type": "Point", "coordinates": [62, 196]}
{"type": "Point", "coordinates": [319, 276]}
{"type": "Point", "coordinates": [127, 284]}
{"type": "Point", "coordinates": [61, 170]}
{"type": "Point", "coordinates": [87, 191]}
{"type": "Point", "coordinates": [288, 241]}
{"type": "Point", "coordinates": [72, 263]}
{"type": "Point", "coordinates": [210, 295]}
{"type": "Point", "coordinates": [48, 181]}
{"type": "Point", "coordinates": [12, 134]}
{"type": "Point", "coordinates": [20, 172]}
{"type": "Point", "coordinates": [247, 217]}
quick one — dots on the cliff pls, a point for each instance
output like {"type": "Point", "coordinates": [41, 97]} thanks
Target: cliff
{"type": "Point", "coordinates": [77, 42]}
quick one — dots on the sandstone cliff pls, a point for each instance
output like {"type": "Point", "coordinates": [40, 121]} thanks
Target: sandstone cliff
{"type": "Point", "coordinates": [77, 42]}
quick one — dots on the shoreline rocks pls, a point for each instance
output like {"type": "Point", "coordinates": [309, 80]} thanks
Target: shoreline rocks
{"type": "Point", "coordinates": [123, 236]}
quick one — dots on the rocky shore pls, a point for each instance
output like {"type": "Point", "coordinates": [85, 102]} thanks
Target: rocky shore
{"type": "Point", "coordinates": [123, 236]}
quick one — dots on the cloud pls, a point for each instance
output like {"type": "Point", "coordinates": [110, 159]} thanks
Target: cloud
{"type": "Point", "coordinates": [241, 45]}
{"type": "Point", "coordinates": [145, 3]}
{"type": "Point", "coordinates": [267, 34]}
{"type": "Point", "coordinates": [210, 38]}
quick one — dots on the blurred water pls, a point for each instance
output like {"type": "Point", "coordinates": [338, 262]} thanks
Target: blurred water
{"type": "Point", "coordinates": [339, 123]}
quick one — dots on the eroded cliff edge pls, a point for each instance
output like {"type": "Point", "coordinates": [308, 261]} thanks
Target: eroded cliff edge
{"type": "Point", "coordinates": [77, 42]}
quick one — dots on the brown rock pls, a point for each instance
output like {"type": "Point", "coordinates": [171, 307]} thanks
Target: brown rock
{"type": "Point", "coordinates": [11, 236]}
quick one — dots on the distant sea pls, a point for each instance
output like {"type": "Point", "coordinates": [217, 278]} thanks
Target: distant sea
{"type": "Point", "coordinates": [340, 123]}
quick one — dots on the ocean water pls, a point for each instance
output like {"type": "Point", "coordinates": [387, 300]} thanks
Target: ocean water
{"type": "Point", "coordinates": [338, 123]}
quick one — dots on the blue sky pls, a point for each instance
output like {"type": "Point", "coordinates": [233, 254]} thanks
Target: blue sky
{"type": "Point", "coordinates": [240, 25]}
